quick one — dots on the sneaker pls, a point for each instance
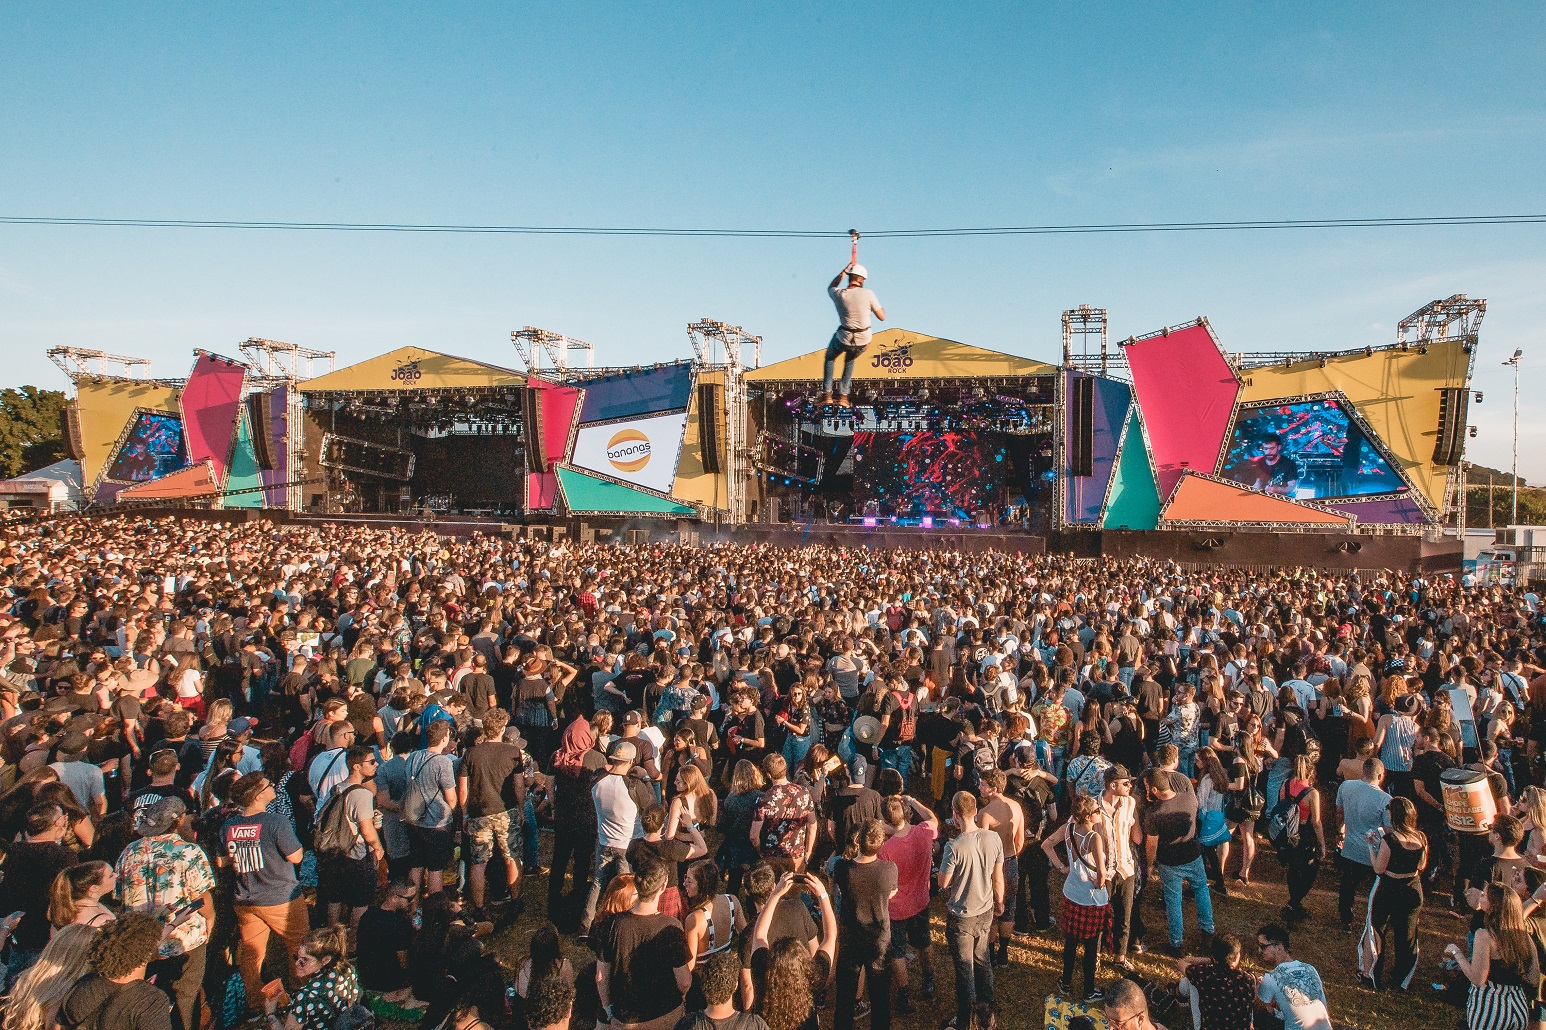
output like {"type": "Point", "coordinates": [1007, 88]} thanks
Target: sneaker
{"type": "Point", "coordinates": [1177, 950]}
{"type": "Point", "coordinates": [1095, 997]}
{"type": "Point", "coordinates": [1139, 948]}
{"type": "Point", "coordinates": [861, 1009]}
{"type": "Point", "coordinates": [926, 992]}
{"type": "Point", "coordinates": [1063, 990]}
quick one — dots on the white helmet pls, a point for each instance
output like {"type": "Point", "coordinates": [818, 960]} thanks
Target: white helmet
{"type": "Point", "coordinates": [859, 272]}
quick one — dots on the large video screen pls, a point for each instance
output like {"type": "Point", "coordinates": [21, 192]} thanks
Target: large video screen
{"type": "Point", "coordinates": [1306, 451]}
{"type": "Point", "coordinates": [153, 448]}
{"type": "Point", "coordinates": [946, 473]}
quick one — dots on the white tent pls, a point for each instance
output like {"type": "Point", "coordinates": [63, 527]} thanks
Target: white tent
{"type": "Point", "coordinates": [56, 487]}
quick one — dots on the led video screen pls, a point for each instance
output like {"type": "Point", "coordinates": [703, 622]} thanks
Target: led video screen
{"type": "Point", "coordinates": [1307, 450]}
{"type": "Point", "coordinates": [948, 473]}
{"type": "Point", "coordinates": [153, 448]}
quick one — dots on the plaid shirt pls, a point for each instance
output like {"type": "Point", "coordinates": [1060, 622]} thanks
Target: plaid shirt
{"type": "Point", "coordinates": [165, 873]}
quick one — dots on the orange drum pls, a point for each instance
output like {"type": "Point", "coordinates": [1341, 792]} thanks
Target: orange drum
{"type": "Point", "coordinates": [1468, 803]}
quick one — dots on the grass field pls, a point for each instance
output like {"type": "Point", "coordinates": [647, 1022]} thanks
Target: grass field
{"type": "Point", "coordinates": [1034, 968]}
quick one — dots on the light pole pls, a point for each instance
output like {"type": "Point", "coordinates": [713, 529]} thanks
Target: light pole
{"type": "Point", "coordinates": [1514, 519]}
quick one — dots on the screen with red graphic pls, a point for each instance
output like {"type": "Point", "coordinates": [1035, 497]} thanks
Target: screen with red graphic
{"type": "Point", "coordinates": [945, 473]}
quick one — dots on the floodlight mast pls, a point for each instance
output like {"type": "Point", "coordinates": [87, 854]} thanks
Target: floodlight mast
{"type": "Point", "coordinates": [85, 363]}
{"type": "Point", "coordinates": [532, 344]}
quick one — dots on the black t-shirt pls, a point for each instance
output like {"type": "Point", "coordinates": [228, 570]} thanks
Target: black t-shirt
{"type": "Point", "coordinates": [865, 918]}
{"type": "Point", "coordinates": [147, 796]}
{"type": "Point", "coordinates": [850, 811]}
{"type": "Point", "coordinates": [890, 705]}
{"type": "Point", "coordinates": [644, 953]}
{"type": "Point", "coordinates": [481, 695]}
{"type": "Point", "coordinates": [29, 873]}
{"type": "Point", "coordinates": [633, 682]}
{"type": "Point", "coordinates": [1427, 767]}
{"type": "Point", "coordinates": [489, 768]}
{"type": "Point", "coordinates": [1173, 821]}
{"type": "Point", "coordinates": [746, 727]}
{"type": "Point", "coordinates": [735, 1021]}
{"type": "Point", "coordinates": [703, 732]}
{"type": "Point", "coordinates": [96, 1002]}
{"type": "Point", "coordinates": [382, 936]}
{"type": "Point", "coordinates": [667, 852]}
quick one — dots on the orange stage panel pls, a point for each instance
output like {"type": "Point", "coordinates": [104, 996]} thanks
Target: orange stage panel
{"type": "Point", "coordinates": [1198, 499]}
{"type": "Point", "coordinates": [185, 484]}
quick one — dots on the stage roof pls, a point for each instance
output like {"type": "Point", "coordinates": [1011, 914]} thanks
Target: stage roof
{"type": "Point", "coordinates": [903, 354]}
{"type": "Point", "coordinates": [414, 368]}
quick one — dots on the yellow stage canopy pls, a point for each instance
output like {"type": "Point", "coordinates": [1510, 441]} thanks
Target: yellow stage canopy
{"type": "Point", "coordinates": [414, 368]}
{"type": "Point", "coordinates": [106, 408]}
{"type": "Point", "coordinates": [1395, 391]}
{"type": "Point", "coordinates": [903, 354]}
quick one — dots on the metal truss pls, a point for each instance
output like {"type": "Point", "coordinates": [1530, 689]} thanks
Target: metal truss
{"type": "Point", "coordinates": [708, 336]}
{"type": "Point", "coordinates": [1080, 325]}
{"type": "Point", "coordinates": [285, 362]}
{"type": "Point", "coordinates": [86, 363]}
{"type": "Point", "coordinates": [532, 344]}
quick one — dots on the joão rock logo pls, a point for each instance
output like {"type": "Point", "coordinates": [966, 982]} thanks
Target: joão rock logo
{"type": "Point", "coordinates": [628, 450]}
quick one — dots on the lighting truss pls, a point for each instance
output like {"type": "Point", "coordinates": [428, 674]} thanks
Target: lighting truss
{"type": "Point", "coordinates": [708, 335]}
{"type": "Point", "coordinates": [532, 344]}
{"type": "Point", "coordinates": [779, 457]}
{"type": "Point", "coordinates": [1082, 326]}
{"type": "Point", "coordinates": [84, 363]}
{"type": "Point", "coordinates": [275, 359]}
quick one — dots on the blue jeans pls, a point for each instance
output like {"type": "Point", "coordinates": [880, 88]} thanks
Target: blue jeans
{"type": "Point", "coordinates": [797, 747]}
{"type": "Point", "coordinates": [610, 862]}
{"type": "Point", "coordinates": [1172, 879]}
{"type": "Point", "coordinates": [969, 941]}
{"type": "Point", "coordinates": [899, 758]}
{"type": "Point", "coordinates": [836, 348]}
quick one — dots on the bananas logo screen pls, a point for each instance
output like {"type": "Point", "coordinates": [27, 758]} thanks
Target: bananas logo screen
{"type": "Point", "coordinates": [628, 450]}
{"type": "Point", "coordinates": [639, 452]}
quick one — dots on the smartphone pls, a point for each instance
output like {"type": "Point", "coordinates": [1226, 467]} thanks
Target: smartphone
{"type": "Point", "coordinates": [178, 915]}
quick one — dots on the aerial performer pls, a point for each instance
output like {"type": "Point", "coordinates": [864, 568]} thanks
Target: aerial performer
{"type": "Point", "coordinates": [855, 304]}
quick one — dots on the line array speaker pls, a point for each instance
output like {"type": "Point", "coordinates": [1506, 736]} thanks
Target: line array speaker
{"type": "Point", "coordinates": [260, 426]}
{"type": "Point", "coordinates": [1454, 405]}
{"type": "Point", "coordinates": [1081, 437]}
{"type": "Point", "coordinates": [711, 414]}
{"type": "Point", "coordinates": [531, 429]}
{"type": "Point", "coordinates": [70, 429]}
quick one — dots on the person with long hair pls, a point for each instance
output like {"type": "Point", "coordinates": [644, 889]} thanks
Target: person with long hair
{"type": "Point", "coordinates": [785, 972]}
{"type": "Point", "coordinates": [1213, 832]}
{"type": "Point", "coordinates": [1502, 967]}
{"type": "Point", "coordinates": [77, 893]}
{"type": "Point", "coordinates": [544, 959]}
{"type": "Point", "coordinates": [737, 852]}
{"type": "Point", "coordinates": [1245, 803]}
{"type": "Point", "coordinates": [712, 920]}
{"type": "Point", "coordinates": [1302, 864]}
{"type": "Point", "coordinates": [1396, 901]}
{"type": "Point", "coordinates": [35, 999]}
{"type": "Point", "coordinates": [695, 803]}
{"type": "Point", "coordinates": [328, 984]}
{"type": "Point", "coordinates": [1086, 914]}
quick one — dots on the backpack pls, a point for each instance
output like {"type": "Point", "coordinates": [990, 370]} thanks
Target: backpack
{"type": "Point", "coordinates": [335, 837]}
{"type": "Point", "coordinates": [907, 718]}
{"type": "Point", "coordinates": [415, 801]}
{"type": "Point", "coordinates": [1283, 828]}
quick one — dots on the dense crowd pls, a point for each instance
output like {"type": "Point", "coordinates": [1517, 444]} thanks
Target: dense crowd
{"type": "Point", "coordinates": [297, 776]}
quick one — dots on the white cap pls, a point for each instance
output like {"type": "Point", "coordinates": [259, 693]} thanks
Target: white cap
{"type": "Point", "coordinates": [859, 271]}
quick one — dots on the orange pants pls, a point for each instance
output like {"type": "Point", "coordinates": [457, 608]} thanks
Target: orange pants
{"type": "Point", "coordinates": [253, 925]}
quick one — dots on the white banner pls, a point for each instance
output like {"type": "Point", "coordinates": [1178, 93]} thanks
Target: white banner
{"type": "Point", "coordinates": [640, 452]}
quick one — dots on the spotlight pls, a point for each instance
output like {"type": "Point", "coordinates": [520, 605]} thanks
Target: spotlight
{"type": "Point", "coordinates": [870, 521]}
{"type": "Point", "coordinates": [1471, 431]}
{"type": "Point", "coordinates": [1478, 396]}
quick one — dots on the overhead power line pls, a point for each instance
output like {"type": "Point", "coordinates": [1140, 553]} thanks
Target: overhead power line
{"type": "Point", "coordinates": [597, 230]}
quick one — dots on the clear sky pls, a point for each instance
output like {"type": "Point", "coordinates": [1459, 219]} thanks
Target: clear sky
{"type": "Point", "coordinates": [776, 116]}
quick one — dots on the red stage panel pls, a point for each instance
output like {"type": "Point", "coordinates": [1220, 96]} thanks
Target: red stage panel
{"type": "Point", "coordinates": [559, 404]}
{"type": "Point", "coordinates": [541, 491]}
{"type": "Point", "coordinates": [1186, 391]}
{"type": "Point", "coordinates": [1198, 499]}
{"type": "Point", "coordinates": [210, 403]}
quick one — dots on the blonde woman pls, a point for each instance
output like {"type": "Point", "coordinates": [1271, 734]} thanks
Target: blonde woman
{"type": "Point", "coordinates": [35, 999]}
{"type": "Point", "coordinates": [695, 803]}
{"type": "Point", "coordinates": [1532, 809]}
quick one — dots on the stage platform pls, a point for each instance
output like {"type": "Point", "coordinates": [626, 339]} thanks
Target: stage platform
{"type": "Point", "coordinates": [884, 534]}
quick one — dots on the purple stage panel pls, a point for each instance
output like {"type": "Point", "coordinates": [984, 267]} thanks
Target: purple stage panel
{"type": "Point", "coordinates": [1399, 510]}
{"type": "Point", "coordinates": [1186, 391]}
{"type": "Point", "coordinates": [631, 394]}
{"type": "Point", "coordinates": [1085, 495]}
{"type": "Point", "coordinates": [274, 479]}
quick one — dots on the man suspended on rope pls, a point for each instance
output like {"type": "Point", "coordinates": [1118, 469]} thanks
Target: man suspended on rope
{"type": "Point", "coordinates": [855, 305]}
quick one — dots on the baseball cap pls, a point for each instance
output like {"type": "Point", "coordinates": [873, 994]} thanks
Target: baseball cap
{"type": "Point", "coordinates": [622, 751]}
{"type": "Point", "coordinates": [632, 718]}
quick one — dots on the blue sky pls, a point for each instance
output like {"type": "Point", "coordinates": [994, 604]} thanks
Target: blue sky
{"type": "Point", "coordinates": [778, 116]}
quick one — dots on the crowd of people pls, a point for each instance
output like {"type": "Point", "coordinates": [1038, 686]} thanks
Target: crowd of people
{"type": "Point", "coordinates": [299, 776]}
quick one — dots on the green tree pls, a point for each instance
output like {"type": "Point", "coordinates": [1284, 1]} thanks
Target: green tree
{"type": "Point", "coordinates": [30, 435]}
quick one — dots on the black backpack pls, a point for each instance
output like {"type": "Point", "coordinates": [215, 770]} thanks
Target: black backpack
{"type": "Point", "coordinates": [1283, 828]}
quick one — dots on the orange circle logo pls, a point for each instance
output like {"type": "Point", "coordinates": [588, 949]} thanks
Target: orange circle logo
{"type": "Point", "coordinates": [628, 450]}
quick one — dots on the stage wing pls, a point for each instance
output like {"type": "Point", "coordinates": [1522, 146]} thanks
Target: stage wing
{"type": "Point", "coordinates": [211, 399]}
{"type": "Point", "coordinates": [1186, 389]}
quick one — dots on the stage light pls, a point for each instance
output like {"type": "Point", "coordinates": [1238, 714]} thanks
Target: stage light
{"type": "Point", "coordinates": [870, 521]}
{"type": "Point", "coordinates": [1472, 432]}
{"type": "Point", "coordinates": [1478, 396]}
{"type": "Point", "coordinates": [928, 522]}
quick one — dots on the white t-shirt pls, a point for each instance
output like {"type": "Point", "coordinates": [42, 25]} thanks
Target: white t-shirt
{"type": "Point", "coordinates": [617, 816]}
{"type": "Point", "coordinates": [854, 306]}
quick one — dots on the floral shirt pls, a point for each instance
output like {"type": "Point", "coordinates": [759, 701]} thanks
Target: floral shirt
{"type": "Point", "coordinates": [319, 1000]}
{"type": "Point", "coordinates": [1053, 721]}
{"type": "Point", "coordinates": [784, 809]}
{"type": "Point", "coordinates": [167, 872]}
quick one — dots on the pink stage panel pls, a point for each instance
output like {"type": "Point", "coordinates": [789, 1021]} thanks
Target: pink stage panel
{"type": "Point", "coordinates": [1186, 391]}
{"type": "Point", "coordinates": [541, 491]}
{"type": "Point", "coordinates": [211, 401]}
{"type": "Point", "coordinates": [559, 404]}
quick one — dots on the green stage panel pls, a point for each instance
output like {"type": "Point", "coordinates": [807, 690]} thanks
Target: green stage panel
{"type": "Point", "coordinates": [590, 495]}
{"type": "Point", "coordinates": [244, 473]}
{"type": "Point", "coordinates": [1134, 502]}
